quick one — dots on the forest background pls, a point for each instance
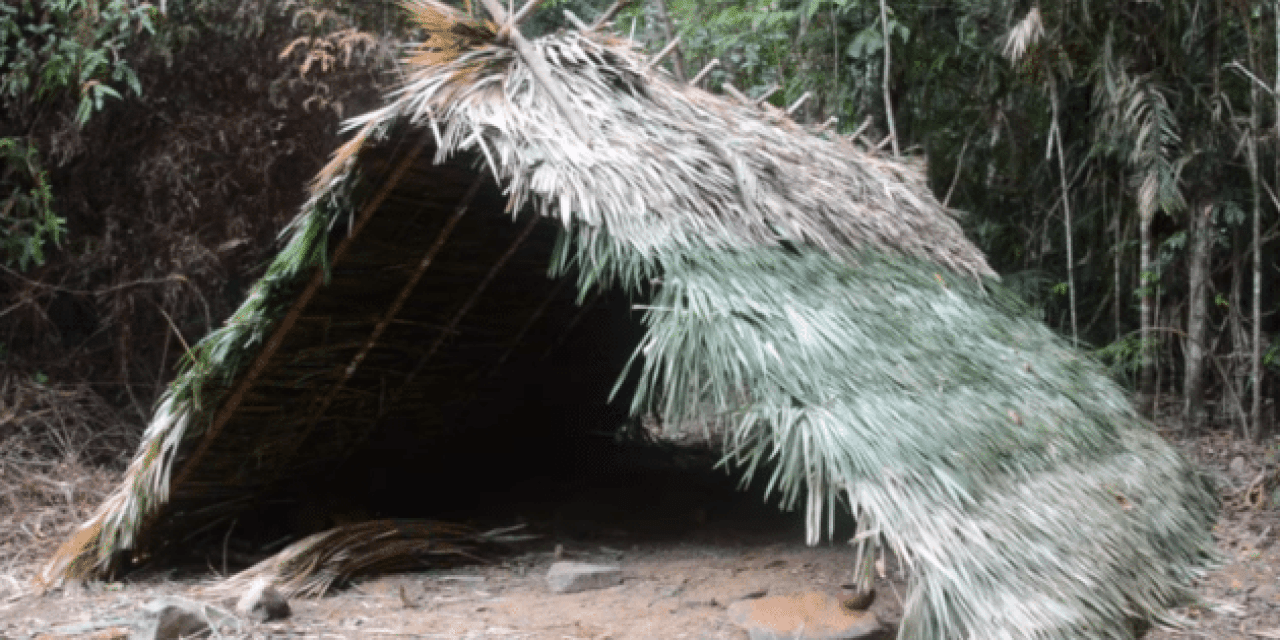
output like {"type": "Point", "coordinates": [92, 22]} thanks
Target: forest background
{"type": "Point", "coordinates": [1118, 161]}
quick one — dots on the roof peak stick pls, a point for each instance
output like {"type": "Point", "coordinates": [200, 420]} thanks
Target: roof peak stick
{"type": "Point", "coordinates": [384, 321]}
{"type": "Point", "coordinates": [799, 102]}
{"type": "Point", "coordinates": [668, 30]}
{"type": "Point", "coordinates": [768, 93]}
{"type": "Point", "coordinates": [537, 65]}
{"type": "Point", "coordinates": [733, 91]}
{"type": "Point", "coordinates": [277, 337]}
{"type": "Point", "coordinates": [715, 62]}
{"type": "Point", "coordinates": [524, 12]}
{"type": "Point", "coordinates": [662, 54]}
{"type": "Point", "coordinates": [609, 14]}
{"type": "Point", "coordinates": [463, 310]}
{"type": "Point", "coordinates": [576, 21]}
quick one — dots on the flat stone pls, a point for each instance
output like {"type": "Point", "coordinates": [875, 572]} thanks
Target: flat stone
{"type": "Point", "coordinates": [1236, 468]}
{"type": "Point", "coordinates": [572, 577]}
{"type": "Point", "coordinates": [261, 602]}
{"type": "Point", "coordinates": [809, 616]}
{"type": "Point", "coordinates": [173, 622]}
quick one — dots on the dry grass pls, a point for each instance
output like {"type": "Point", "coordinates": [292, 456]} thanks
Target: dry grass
{"type": "Point", "coordinates": [61, 451]}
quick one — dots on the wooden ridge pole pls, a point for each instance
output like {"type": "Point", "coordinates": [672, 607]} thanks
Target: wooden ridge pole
{"type": "Point", "coordinates": [537, 65]}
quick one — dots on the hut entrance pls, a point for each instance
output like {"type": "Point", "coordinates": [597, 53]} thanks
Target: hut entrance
{"type": "Point", "coordinates": [487, 398]}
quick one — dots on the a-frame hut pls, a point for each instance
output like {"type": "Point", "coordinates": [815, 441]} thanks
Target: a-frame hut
{"type": "Point", "coordinates": [809, 299]}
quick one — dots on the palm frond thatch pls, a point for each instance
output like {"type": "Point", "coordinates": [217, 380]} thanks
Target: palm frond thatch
{"type": "Point", "coordinates": [813, 299]}
{"type": "Point", "coordinates": [312, 566]}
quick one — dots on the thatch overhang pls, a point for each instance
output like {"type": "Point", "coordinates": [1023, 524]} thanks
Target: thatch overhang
{"type": "Point", "coordinates": [810, 297]}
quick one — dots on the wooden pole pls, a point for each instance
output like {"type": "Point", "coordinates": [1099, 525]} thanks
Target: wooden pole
{"type": "Point", "coordinates": [799, 103]}
{"type": "Point", "coordinates": [537, 65]}
{"type": "Point", "coordinates": [662, 54]}
{"type": "Point", "coordinates": [576, 21]}
{"type": "Point", "coordinates": [705, 70]}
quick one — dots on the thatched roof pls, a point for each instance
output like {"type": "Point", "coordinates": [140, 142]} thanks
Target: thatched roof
{"type": "Point", "coordinates": [810, 297]}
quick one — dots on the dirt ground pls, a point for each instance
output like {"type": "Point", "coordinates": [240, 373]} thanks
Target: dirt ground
{"type": "Point", "coordinates": [673, 587]}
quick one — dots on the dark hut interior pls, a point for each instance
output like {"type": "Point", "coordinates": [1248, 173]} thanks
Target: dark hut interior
{"type": "Point", "coordinates": [473, 387]}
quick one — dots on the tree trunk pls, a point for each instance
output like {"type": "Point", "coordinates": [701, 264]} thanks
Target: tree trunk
{"type": "Point", "coordinates": [1200, 246]}
{"type": "Point", "coordinates": [1146, 280]}
{"type": "Point", "coordinates": [888, 100]}
{"type": "Point", "coordinates": [1066, 211]}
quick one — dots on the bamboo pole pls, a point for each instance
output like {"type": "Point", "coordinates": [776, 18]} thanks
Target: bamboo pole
{"type": "Point", "coordinates": [733, 91]}
{"type": "Point", "coordinates": [537, 65]}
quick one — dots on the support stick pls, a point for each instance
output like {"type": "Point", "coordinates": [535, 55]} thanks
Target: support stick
{"type": "Point", "coordinates": [705, 70]}
{"type": "Point", "coordinates": [799, 103]}
{"type": "Point", "coordinates": [575, 21]}
{"type": "Point", "coordinates": [733, 91]}
{"type": "Point", "coordinates": [524, 12]}
{"type": "Point", "coordinates": [662, 54]}
{"type": "Point", "coordinates": [768, 93]}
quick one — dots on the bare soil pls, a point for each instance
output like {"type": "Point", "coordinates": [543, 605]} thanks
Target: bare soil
{"type": "Point", "coordinates": [674, 586]}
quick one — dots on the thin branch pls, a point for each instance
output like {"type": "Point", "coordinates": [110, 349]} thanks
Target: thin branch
{"type": "Point", "coordinates": [1249, 74]}
{"type": "Point", "coordinates": [959, 165]}
{"type": "Point", "coordinates": [733, 91]}
{"type": "Point", "coordinates": [668, 30]}
{"type": "Point", "coordinates": [888, 102]}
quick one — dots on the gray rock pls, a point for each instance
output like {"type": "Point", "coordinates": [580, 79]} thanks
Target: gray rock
{"type": "Point", "coordinates": [173, 622]}
{"type": "Point", "coordinates": [1237, 466]}
{"type": "Point", "coordinates": [810, 616]}
{"type": "Point", "coordinates": [572, 577]}
{"type": "Point", "coordinates": [263, 603]}
{"type": "Point", "coordinates": [174, 618]}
